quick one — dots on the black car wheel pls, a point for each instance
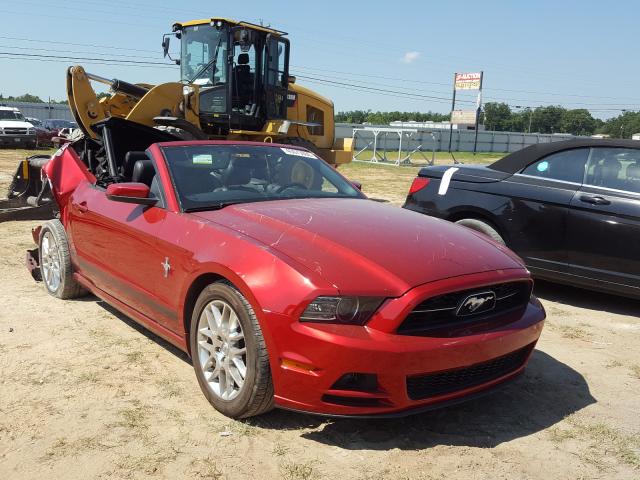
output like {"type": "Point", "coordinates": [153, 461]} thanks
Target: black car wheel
{"type": "Point", "coordinates": [482, 227]}
{"type": "Point", "coordinates": [229, 354]}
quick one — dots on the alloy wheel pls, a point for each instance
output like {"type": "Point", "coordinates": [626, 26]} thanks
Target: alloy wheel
{"type": "Point", "coordinates": [50, 262]}
{"type": "Point", "coordinates": [222, 354]}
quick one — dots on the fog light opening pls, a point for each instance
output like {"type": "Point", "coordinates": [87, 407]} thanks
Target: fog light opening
{"type": "Point", "coordinates": [357, 382]}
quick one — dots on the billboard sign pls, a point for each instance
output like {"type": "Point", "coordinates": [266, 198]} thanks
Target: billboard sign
{"type": "Point", "coordinates": [463, 117]}
{"type": "Point", "coordinates": [468, 81]}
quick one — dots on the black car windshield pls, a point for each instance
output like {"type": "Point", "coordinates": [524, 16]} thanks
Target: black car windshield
{"type": "Point", "coordinates": [207, 177]}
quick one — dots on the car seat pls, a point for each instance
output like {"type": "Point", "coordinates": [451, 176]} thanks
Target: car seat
{"type": "Point", "coordinates": [633, 177]}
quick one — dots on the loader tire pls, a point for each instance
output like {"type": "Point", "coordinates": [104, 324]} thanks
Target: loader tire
{"type": "Point", "coordinates": [55, 262]}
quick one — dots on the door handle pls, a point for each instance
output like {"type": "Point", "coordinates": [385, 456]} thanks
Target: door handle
{"type": "Point", "coordinates": [594, 200]}
{"type": "Point", "coordinates": [82, 207]}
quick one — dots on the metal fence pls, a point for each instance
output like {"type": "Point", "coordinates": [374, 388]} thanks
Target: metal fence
{"type": "Point", "coordinates": [399, 142]}
{"type": "Point", "coordinates": [41, 111]}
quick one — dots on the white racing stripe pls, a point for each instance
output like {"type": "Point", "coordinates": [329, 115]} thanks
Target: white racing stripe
{"type": "Point", "coordinates": [446, 179]}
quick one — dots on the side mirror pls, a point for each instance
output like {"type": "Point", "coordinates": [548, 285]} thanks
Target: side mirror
{"type": "Point", "coordinates": [165, 45]}
{"type": "Point", "coordinates": [358, 185]}
{"type": "Point", "coordinates": [130, 192]}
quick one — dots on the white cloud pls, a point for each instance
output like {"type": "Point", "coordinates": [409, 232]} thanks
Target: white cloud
{"type": "Point", "coordinates": [410, 57]}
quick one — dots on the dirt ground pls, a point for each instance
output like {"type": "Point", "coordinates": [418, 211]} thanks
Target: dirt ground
{"type": "Point", "coordinates": [86, 393]}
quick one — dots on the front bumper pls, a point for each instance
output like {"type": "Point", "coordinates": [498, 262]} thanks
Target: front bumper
{"type": "Point", "coordinates": [313, 357]}
{"type": "Point", "coordinates": [7, 140]}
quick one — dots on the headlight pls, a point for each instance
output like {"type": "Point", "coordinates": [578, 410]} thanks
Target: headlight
{"type": "Point", "coordinates": [1, 130]}
{"type": "Point", "coordinates": [30, 131]}
{"type": "Point", "coordinates": [342, 310]}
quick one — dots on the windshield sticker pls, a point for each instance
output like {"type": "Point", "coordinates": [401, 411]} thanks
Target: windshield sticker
{"type": "Point", "coordinates": [446, 179]}
{"type": "Point", "coordinates": [298, 153]}
{"type": "Point", "coordinates": [202, 159]}
{"type": "Point", "coordinates": [543, 166]}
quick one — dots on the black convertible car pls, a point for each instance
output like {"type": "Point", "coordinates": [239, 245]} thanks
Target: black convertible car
{"type": "Point", "coordinates": [570, 209]}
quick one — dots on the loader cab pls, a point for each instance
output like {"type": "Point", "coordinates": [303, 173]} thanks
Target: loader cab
{"type": "Point", "coordinates": [241, 70]}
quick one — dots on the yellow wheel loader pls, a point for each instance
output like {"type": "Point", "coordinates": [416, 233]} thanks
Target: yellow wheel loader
{"type": "Point", "coordinates": [234, 85]}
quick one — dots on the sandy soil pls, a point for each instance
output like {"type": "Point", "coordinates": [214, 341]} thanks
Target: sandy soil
{"type": "Point", "coordinates": [86, 393]}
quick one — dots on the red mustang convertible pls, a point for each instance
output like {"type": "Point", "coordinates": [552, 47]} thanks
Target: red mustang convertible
{"type": "Point", "coordinates": [282, 281]}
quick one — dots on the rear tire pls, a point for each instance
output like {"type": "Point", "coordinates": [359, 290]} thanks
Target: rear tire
{"type": "Point", "coordinates": [482, 227]}
{"type": "Point", "coordinates": [55, 262]}
{"type": "Point", "coordinates": [229, 353]}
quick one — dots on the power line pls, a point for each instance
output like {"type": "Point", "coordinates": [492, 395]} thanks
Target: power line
{"type": "Point", "coordinates": [68, 57]}
{"type": "Point", "coordinates": [57, 42]}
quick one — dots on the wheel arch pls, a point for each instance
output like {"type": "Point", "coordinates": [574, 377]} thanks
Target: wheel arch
{"type": "Point", "coordinates": [199, 283]}
{"type": "Point", "coordinates": [478, 214]}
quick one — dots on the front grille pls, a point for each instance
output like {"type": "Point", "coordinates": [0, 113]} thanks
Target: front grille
{"type": "Point", "coordinates": [15, 131]}
{"type": "Point", "coordinates": [434, 384]}
{"type": "Point", "coordinates": [439, 316]}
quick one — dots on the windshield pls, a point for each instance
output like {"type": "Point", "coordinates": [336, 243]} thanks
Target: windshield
{"type": "Point", "coordinates": [10, 115]}
{"type": "Point", "coordinates": [200, 45]}
{"type": "Point", "coordinates": [207, 177]}
{"type": "Point", "coordinates": [60, 124]}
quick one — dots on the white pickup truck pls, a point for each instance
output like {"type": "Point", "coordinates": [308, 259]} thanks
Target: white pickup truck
{"type": "Point", "coordinates": [15, 130]}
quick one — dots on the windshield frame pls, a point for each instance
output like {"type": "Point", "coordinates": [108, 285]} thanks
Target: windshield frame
{"type": "Point", "coordinates": [220, 37]}
{"type": "Point", "coordinates": [326, 170]}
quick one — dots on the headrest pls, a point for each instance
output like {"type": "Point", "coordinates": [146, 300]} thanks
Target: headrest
{"type": "Point", "coordinates": [129, 159]}
{"type": "Point", "coordinates": [143, 172]}
{"type": "Point", "coordinates": [633, 171]}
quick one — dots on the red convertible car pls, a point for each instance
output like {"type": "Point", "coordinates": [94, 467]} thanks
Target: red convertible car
{"type": "Point", "coordinates": [282, 281]}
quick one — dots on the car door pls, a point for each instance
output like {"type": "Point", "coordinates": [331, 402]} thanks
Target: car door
{"type": "Point", "coordinates": [604, 221]}
{"type": "Point", "coordinates": [115, 246]}
{"type": "Point", "coordinates": [540, 197]}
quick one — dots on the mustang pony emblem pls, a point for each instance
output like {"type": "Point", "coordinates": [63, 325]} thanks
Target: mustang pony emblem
{"type": "Point", "coordinates": [166, 266]}
{"type": "Point", "coordinates": [477, 303]}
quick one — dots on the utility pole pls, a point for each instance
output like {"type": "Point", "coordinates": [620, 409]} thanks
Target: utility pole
{"type": "Point", "coordinates": [478, 109]}
{"type": "Point", "coordinates": [453, 107]}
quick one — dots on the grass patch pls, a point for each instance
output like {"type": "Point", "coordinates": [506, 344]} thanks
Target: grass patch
{"type": "Point", "coordinates": [279, 450]}
{"type": "Point", "coordinates": [169, 387]}
{"type": "Point", "coordinates": [151, 463]}
{"type": "Point", "coordinates": [603, 441]}
{"type": "Point", "coordinates": [136, 357]}
{"type": "Point", "coordinates": [134, 418]}
{"type": "Point", "coordinates": [89, 377]}
{"type": "Point", "coordinates": [635, 370]}
{"type": "Point", "coordinates": [206, 468]}
{"type": "Point", "coordinates": [574, 333]}
{"type": "Point", "coordinates": [299, 471]}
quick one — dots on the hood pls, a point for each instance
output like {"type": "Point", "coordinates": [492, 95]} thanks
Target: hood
{"type": "Point", "coordinates": [14, 124]}
{"type": "Point", "coordinates": [365, 247]}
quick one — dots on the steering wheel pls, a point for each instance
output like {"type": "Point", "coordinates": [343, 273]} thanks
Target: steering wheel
{"type": "Point", "coordinates": [290, 185]}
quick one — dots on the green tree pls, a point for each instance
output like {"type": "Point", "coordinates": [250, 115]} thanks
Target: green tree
{"type": "Point", "coordinates": [497, 116]}
{"type": "Point", "coordinates": [362, 116]}
{"type": "Point", "coordinates": [622, 126]}
{"type": "Point", "coordinates": [547, 119]}
{"type": "Point", "coordinates": [578, 122]}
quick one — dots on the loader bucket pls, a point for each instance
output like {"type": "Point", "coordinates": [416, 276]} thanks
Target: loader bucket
{"type": "Point", "coordinates": [28, 197]}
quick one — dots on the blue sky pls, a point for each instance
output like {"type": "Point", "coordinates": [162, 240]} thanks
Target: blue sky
{"type": "Point", "coordinates": [579, 54]}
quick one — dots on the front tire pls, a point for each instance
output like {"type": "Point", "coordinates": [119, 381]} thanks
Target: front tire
{"type": "Point", "coordinates": [55, 262]}
{"type": "Point", "coordinates": [229, 354]}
